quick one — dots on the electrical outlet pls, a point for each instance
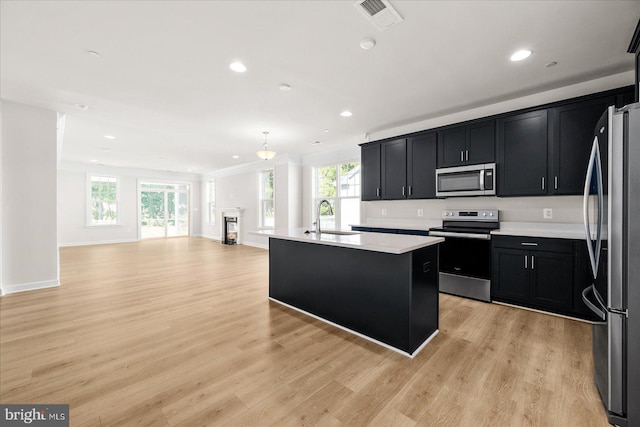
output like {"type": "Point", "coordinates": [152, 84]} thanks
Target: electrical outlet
{"type": "Point", "coordinates": [420, 212]}
{"type": "Point", "coordinates": [384, 212]}
{"type": "Point", "coordinates": [547, 213]}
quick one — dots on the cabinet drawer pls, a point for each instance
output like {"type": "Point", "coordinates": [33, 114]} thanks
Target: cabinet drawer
{"type": "Point", "coordinates": [533, 243]}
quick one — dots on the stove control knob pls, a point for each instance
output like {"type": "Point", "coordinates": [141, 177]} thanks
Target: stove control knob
{"type": "Point", "coordinates": [484, 214]}
{"type": "Point", "coordinates": [491, 214]}
{"type": "Point", "coordinates": [446, 214]}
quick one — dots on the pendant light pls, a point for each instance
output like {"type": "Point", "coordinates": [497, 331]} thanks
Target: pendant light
{"type": "Point", "coordinates": [265, 153]}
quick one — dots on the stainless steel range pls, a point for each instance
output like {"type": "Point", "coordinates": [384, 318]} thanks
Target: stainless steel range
{"type": "Point", "coordinates": [465, 255]}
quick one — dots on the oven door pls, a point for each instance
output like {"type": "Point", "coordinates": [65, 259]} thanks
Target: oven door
{"type": "Point", "coordinates": [465, 267]}
{"type": "Point", "coordinates": [466, 257]}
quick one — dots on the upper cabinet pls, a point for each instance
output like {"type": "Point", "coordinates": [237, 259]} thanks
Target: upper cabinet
{"type": "Point", "coordinates": [394, 169]}
{"type": "Point", "coordinates": [538, 152]}
{"type": "Point", "coordinates": [571, 130]}
{"type": "Point", "coordinates": [467, 145]}
{"type": "Point", "coordinates": [402, 168]}
{"type": "Point", "coordinates": [522, 154]}
{"type": "Point", "coordinates": [421, 166]}
{"type": "Point", "coordinates": [370, 175]}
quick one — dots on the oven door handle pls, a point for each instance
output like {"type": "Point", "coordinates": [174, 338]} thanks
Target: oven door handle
{"type": "Point", "coordinates": [460, 235]}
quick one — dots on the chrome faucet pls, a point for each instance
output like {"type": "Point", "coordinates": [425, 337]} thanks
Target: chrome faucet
{"type": "Point", "coordinates": [318, 216]}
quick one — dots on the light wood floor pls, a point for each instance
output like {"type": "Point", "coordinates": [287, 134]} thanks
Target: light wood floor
{"type": "Point", "coordinates": [180, 332]}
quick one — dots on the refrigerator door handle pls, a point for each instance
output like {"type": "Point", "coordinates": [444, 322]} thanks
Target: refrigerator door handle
{"type": "Point", "coordinates": [594, 161]}
{"type": "Point", "coordinates": [601, 313]}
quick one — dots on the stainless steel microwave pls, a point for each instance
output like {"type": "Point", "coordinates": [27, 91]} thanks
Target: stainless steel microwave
{"type": "Point", "coordinates": [474, 180]}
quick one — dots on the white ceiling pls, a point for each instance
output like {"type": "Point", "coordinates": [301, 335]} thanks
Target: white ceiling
{"type": "Point", "coordinates": [163, 87]}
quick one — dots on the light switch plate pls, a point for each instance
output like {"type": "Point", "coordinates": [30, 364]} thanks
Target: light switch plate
{"type": "Point", "coordinates": [420, 212]}
{"type": "Point", "coordinates": [547, 213]}
{"type": "Point", "coordinates": [384, 212]}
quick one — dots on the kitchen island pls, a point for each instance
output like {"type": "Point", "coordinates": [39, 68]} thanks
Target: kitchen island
{"type": "Point", "coordinates": [381, 287]}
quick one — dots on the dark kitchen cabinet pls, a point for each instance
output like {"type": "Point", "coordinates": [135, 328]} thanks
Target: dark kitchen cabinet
{"type": "Point", "coordinates": [421, 166]}
{"type": "Point", "coordinates": [541, 273]}
{"type": "Point", "coordinates": [522, 154]}
{"type": "Point", "coordinates": [371, 176]}
{"type": "Point", "coordinates": [467, 145]}
{"type": "Point", "coordinates": [510, 281]}
{"type": "Point", "coordinates": [394, 169]}
{"type": "Point", "coordinates": [571, 130]}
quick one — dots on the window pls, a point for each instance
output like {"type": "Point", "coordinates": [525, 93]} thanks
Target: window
{"type": "Point", "coordinates": [340, 185]}
{"type": "Point", "coordinates": [212, 202]}
{"type": "Point", "coordinates": [267, 199]}
{"type": "Point", "coordinates": [104, 200]}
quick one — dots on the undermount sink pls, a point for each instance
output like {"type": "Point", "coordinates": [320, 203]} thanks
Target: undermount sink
{"type": "Point", "coordinates": [336, 232]}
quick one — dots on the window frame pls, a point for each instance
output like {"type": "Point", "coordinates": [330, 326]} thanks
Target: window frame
{"type": "Point", "coordinates": [89, 204]}
{"type": "Point", "coordinates": [262, 199]}
{"type": "Point", "coordinates": [336, 202]}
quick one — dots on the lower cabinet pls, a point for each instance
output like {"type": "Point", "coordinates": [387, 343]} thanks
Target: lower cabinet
{"type": "Point", "coordinates": [541, 273]}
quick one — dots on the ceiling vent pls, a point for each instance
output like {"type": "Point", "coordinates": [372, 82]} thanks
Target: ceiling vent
{"type": "Point", "coordinates": [380, 12]}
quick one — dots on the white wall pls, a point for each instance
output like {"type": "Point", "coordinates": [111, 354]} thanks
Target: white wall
{"type": "Point", "coordinates": [73, 205]}
{"type": "Point", "coordinates": [585, 88]}
{"type": "Point", "coordinates": [238, 187]}
{"type": "Point", "coordinates": [29, 236]}
{"type": "Point", "coordinates": [1, 167]}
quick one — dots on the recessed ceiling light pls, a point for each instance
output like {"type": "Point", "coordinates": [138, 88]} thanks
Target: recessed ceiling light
{"type": "Point", "coordinates": [521, 54]}
{"type": "Point", "coordinates": [551, 64]}
{"type": "Point", "coordinates": [326, 131]}
{"type": "Point", "coordinates": [284, 87]}
{"type": "Point", "coordinates": [93, 161]}
{"type": "Point", "coordinates": [110, 137]}
{"type": "Point", "coordinates": [346, 113]}
{"type": "Point", "coordinates": [93, 53]}
{"type": "Point", "coordinates": [82, 107]}
{"type": "Point", "coordinates": [236, 157]}
{"type": "Point", "coordinates": [189, 170]}
{"type": "Point", "coordinates": [367, 44]}
{"type": "Point", "coordinates": [238, 67]}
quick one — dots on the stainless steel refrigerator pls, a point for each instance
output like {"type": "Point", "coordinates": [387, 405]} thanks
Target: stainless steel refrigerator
{"type": "Point", "coordinates": [612, 229]}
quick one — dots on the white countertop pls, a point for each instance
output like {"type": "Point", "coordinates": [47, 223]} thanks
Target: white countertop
{"type": "Point", "coordinates": [377, 242]}
{"type": "Point", "coordinates": [539, 229]}
{"type": "Point", "coordinates": [425, 226]}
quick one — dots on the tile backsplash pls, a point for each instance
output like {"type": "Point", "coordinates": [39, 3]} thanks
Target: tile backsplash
{"type": "Point", "coordinates": [564, 209]}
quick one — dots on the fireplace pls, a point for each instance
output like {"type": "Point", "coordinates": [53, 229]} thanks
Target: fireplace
{"type": "Point", "coordinates": [230, 226]}
{"type": "Point", "coordinates": [230, 236]}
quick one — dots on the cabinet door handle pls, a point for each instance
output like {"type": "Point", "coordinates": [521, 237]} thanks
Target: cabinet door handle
{"type": "Point", "coordinates": [466, 155]}
{"type": "Point", "coordinates": [543, 182]}
{"type": "Point", "coordinates": [377, 192]}
{"type": "Point", "coordinates": [403, 190]}
{"type": "Point", "coordinates": [525, 262]}
{"type": "Point", "coordinates": [410, 190]}
{"type": "Point", "coordinates": [533, 262]}
{"type": "Point", "coordinates": [556, 183]}
{"type": "Point", "coordinates": [461, 156]}
{"type": "Point", "coordinates": [528, 244]}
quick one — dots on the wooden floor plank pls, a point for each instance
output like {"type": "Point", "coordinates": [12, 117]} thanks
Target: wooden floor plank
{"type": "Point", "coordinates": [181, 332]}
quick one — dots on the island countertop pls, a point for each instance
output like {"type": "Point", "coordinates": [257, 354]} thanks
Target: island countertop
{"type": "Point", "coordinates": [377, 242]}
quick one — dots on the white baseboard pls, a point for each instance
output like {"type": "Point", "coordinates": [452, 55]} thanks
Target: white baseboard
{"type": "Point", "coordinates": [210, 237]}
{"type": "Point", "coordinates": [256, 245]}
{"type": "Point", "coordinates": [12, 289]}
{"type": "Point", "coordinates": [98, 242]}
